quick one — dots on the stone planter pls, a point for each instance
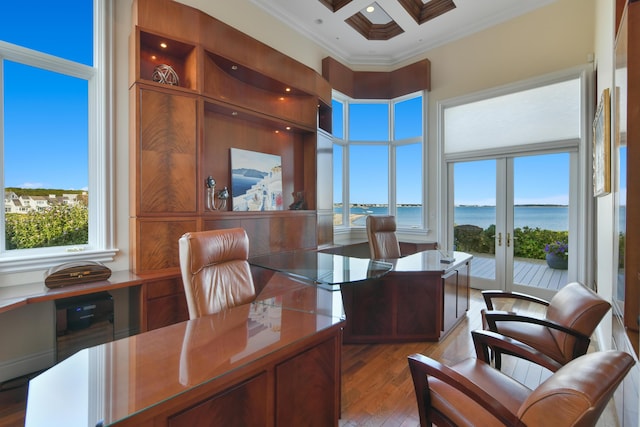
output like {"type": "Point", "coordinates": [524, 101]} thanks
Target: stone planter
{"type": "Point", "coordinates": [557, 262]}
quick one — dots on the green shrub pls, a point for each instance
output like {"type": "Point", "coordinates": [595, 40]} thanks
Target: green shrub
{"type": "Point", "coordinates": [57, 226]}
{"type": "Point", "coordinates": [528, 242]}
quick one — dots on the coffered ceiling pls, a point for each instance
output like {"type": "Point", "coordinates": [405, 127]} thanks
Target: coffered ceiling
{"type": "Point", "coordinates": [387, 32]}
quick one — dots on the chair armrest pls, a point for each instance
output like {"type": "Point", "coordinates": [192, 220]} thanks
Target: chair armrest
{"type": "Point", "coordinates": [483, 340]}
{"type": "Point", "coordinates": [490, 295]}
{"type": "Point", "coordinates": [421, 366]}
{"type": "Point", "coordinates": [494, 316]}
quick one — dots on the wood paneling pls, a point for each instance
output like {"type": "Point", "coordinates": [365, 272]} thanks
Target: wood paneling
{"type": "Point", "coordinates": [156, 246]}
{"type": "Point", "coordinates": [250, 396]}
{"type": "Point", "coordinates": [298, 387]}
{"type": "Point", "coordinates": [171, 18]}
{"type": "Point", "coordinates": [377, 85]}
{"type": "Point", "coordinates": [272, 232]}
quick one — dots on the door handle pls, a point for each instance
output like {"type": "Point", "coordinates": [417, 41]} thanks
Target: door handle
{"type": "Point", "coordinates": [499, 239]}
{"type": "Point", "coordinates": [508, 239]}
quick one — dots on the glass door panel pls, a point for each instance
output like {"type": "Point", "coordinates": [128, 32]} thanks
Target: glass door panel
{"type": "Point", "coordinates": [540, 211]}
{"type": "Point", "coordinates": [474, 218]}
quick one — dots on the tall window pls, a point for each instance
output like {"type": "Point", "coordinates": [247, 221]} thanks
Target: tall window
{"type": "Point", "coordinates": [53, 133]}
{"type": "Point", "coordinates": [378, 160]}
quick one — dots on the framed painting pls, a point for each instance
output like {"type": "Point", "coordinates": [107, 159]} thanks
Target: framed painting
{"type": "Point", "coordinates": [602, 147]}
{"type": "Point", "coordinates": [256, 181]}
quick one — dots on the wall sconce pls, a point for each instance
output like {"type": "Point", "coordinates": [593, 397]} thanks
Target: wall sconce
{"type": "Point", "coordinates": [215, 201]}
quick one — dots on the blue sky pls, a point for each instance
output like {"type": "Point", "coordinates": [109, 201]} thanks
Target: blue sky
{"type": "Point", "coordinates": [540, 179]}
{"type": "Point", "coordinates": [45, 139]}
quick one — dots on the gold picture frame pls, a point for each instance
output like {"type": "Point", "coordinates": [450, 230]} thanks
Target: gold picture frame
{"type": "Point", "coordinates": [602, 146]}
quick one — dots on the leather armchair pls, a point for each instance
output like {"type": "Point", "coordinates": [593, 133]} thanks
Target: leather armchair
{"type": "Point", "coordinates": [381, 232]}
{"type": "Point", "coordinates": [472, 393]}
{"type": "Point", "coordinates": [563, 333]}
{"type": "Point", "coordinates": [215, 271]}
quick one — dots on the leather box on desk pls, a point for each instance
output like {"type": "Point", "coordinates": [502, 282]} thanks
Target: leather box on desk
{"type": "Point", "coordinates": [73, 273]}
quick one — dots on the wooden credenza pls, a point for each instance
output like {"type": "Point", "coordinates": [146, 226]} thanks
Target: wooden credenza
{"type": "Point", "coordinates": [275, 362]}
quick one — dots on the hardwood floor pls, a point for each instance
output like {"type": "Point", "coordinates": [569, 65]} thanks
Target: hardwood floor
{"type": "Point", "coordinates": [376, 384]}
{"type": "Point", "coordinates": [377, 389]}
{"type": "Point", "coordinates": [13, 397]}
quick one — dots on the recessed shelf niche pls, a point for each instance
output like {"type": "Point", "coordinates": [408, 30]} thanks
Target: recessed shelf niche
{"type": "Point", "coordinates": [156, 50]}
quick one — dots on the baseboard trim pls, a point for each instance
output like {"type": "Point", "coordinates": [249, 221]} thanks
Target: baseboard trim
{"type": "Point", "coordinates": [34, 362]}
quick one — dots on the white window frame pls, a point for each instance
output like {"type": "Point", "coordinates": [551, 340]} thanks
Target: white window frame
{"type": "Point", "coordinates": [582, 216]}
{"type": "Point", "coordinates": [100, 159]}
{"type": "Point", "coordinates": [345, 142]}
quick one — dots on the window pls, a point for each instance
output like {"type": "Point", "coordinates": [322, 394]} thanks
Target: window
{"type": "Point", "coordinates": [54, 134]}
{"type": "Point", "coordinates": [378, 160]}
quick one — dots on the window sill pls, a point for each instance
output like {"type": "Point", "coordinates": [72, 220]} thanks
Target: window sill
{"type": "Point", "coordinates": [44, 260]}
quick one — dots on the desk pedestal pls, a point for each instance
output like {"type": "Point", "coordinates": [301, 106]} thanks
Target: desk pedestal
{"type": "Point", "coordinates": [405, 306]}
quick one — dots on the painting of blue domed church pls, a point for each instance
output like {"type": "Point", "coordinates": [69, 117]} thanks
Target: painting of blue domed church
{"type": "Point", "coordinates": [256, 181]}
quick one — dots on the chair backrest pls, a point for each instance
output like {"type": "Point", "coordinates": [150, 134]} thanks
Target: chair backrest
{"type": "Point", "coordinates": [215, 271]}
{"type": "Point", "coordinates": [577, 307]}
{"type": "Point", "coordinates": [381, 232]}
{"type": "Point", "coordinates": [578, 392]}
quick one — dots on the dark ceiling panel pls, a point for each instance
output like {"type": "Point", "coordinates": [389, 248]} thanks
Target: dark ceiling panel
{"type": "Point", "coordinates": [423, 12]}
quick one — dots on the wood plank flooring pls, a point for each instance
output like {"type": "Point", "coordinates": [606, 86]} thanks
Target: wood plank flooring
{"type": "Point", "coordinates": [376, 384]}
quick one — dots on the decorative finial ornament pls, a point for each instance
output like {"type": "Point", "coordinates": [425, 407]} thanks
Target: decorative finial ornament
{"type": "Point", "coordinates": [165, 74]}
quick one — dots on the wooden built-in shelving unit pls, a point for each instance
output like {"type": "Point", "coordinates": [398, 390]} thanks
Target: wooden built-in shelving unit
{"type": "Point", "coordinates": [233, 92]}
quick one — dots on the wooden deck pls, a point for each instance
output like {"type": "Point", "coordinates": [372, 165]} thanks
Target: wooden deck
{"type": "Point", "coordinates": [529, 272]}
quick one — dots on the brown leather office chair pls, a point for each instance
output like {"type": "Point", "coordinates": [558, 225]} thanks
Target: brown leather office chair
{"type": "Point", "coordinates": [215, 271]}
{"type": "Point", "coordinates": [472, 393]}
{"type": "Point", "coordinates": [563, 333]}
{"type": "Point", "coordinates": [381, 232]}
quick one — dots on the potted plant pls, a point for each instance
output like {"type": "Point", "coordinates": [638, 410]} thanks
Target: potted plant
{"type": "Point", "coordinates": [557, 255]}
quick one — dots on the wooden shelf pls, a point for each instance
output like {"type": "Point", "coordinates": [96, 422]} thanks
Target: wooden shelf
{"type": "Point", "coordinates": [179, 55]}
{"type": "Point", "coordinates": [242, 87]}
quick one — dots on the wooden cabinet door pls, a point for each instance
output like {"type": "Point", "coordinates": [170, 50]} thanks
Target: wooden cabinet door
{"type": "Point", "coordinates": [164, 303]}
{"type": "Point", "coordinates": [166, 163]}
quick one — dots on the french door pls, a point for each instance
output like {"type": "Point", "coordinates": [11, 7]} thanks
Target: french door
{"type": "Point", "coordinates": [505, 211]}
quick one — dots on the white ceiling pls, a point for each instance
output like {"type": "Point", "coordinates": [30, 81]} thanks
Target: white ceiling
{"type": "Point", "coordinates": [314, 20]}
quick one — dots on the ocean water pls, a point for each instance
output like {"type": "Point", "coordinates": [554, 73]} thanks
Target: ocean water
{"type": "Point", "coordinates": [240, 184]}
{"type": "Point", "coordinates": [544, 217]}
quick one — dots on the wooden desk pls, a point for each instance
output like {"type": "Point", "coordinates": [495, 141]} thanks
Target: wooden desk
{"type": "Point", "coordinates": [421, 299]}
{"type": "Point", "coordinates": [275, 362]}
{"type": "Point", "coordinates": [414, 298]}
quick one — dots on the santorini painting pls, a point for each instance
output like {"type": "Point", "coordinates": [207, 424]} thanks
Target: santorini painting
{"type": "Point", "coordinates": [256, 181]}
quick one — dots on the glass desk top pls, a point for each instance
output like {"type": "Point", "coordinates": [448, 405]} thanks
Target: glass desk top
{"type": "Point", "coordinates": [326, 270]}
